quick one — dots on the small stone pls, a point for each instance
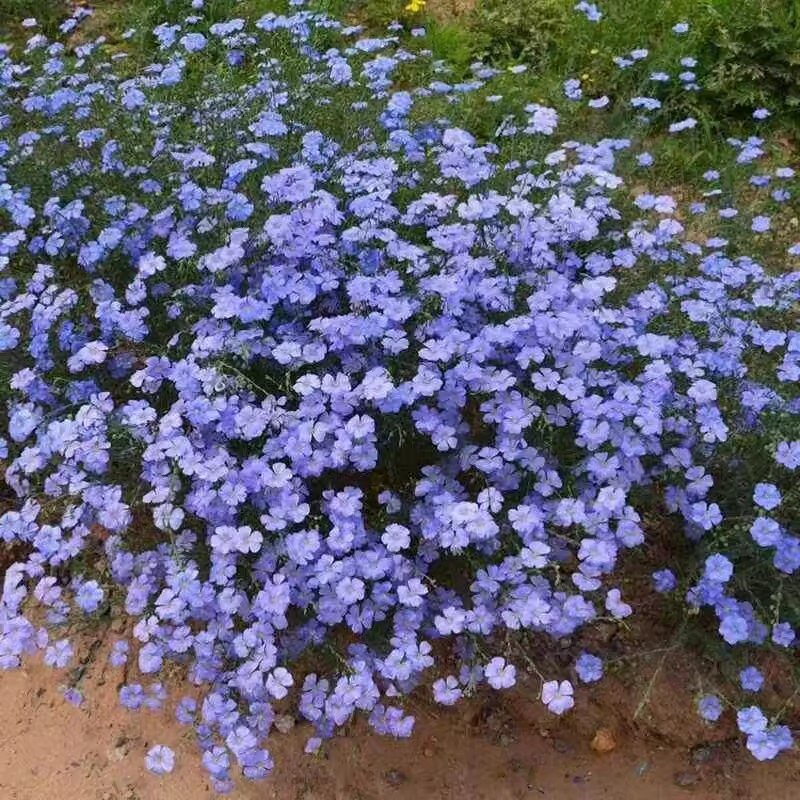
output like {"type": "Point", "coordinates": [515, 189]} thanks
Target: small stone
{"type": "Point", "coordinates": [121, 748]}
{"type": "Point", "coordinates": [117, 754]}
{"type": "Point", "coordinates": [118, 624]}
{"type": "Point", "coordinates": [284, 722]}
{"type": "Point", "coordinates": [686, 778]}
{"type": "Point", "coordinates": [394, 777]}
{"type": "Point", "coordinates": [603, 741]}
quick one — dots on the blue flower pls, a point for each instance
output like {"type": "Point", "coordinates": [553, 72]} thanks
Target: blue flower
{"type": "Point", "coordinates": [710, 708]}
{"type": "Point", "coordinates": [192, 42]}
{"type": "Point", "coordinates": [751, 720]}
{"type": "Point", "coordinates": [718, 568]}
{"type": "Point", "coordinates": [751, 679]}
{"type": "Point", "coordinates": [589, 667]}
{"type": "Point", "coordinates": [160, 759]}
{"type": "Point", "coordinates": [788, 454]}
{"type": "Point", "coordinates": [767, 496]}
{"type": "Point", "coordinates": [558, 697]}
{"type": "Point", "coordinates": [664, 580]}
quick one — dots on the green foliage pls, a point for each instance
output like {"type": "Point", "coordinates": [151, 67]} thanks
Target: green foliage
{"type": "Point", "coordinates": [748, 50]}
{"type": "Point", "coordinates": [451, 43]}
{"type": "Point", "coordinates": [753, 49]}
{"type": "Point", "coordinates": [48, 13]}
{"type": "Point", "coordinates": [522, 30]}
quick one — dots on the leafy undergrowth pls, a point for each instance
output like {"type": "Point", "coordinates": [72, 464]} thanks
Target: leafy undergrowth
{"type": "Point", "coordinates": [747, 50]}
{"type": "Point", "coordinates": [349, 373]}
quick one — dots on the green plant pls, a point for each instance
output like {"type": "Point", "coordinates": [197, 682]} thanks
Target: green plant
{"type": "Point", "coordinates": [752, 48]}
{"type": "Point", "coordinates": [748, 51]}
{"type": "Point", "coordinates": [48, 13]}
{"type": "Point", "coordinates": [522, 30]}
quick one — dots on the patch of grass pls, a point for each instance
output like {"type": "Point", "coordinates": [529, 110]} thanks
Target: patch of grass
{"type": "Point", "coordinates": [48, 13]}
{"type": "Point", "coordinates": [747, 51]}
{"type": "Point", "coordinates": [527, 30]}
{"type": "Point", "coordinates": [114, 17]}
{"type": "Point", "coordinates": [452, 43]}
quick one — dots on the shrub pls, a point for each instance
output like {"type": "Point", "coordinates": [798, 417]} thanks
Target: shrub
{"type": "Point", "coordinates": [529, 31]}
{"type": "Point", "coordinates": [753, 52]}
{"type": "Point", "coordinates": [748, 49]}
{"type": "Point", "coordinates": [336, 398]}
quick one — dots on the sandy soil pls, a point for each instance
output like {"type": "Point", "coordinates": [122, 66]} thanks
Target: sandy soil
{"type": "Point", "coordinates": [493, 747]}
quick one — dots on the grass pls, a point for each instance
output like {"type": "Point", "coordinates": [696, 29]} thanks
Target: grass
{"type": "Point", "coordinates": [748, 54]}
{"type": "Point", "coordinates": [748, 51]}
{"type": "Point", "coordinates": [48, 13]}
{"type": "Point", "coordinates": [507, 32]}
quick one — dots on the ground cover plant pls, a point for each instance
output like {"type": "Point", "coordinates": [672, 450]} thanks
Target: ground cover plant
{"type": "Point", "coordinates": [339, 371]}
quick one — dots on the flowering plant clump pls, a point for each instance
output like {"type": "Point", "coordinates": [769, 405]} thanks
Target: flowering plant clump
{"type": "Point", "coordinates": [298, 365]}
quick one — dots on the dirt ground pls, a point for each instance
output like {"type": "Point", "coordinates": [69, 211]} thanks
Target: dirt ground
{"type": "Point", "coordinates": [496, 747]}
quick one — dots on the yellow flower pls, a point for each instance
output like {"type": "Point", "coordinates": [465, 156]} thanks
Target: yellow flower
{"type": "Point", "coordinates": [415, 5]}
{"type": "Point", "coordinates": [594, 51]}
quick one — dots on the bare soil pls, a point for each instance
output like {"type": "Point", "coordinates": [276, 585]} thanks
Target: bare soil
{"type": "Point", "coordinates": [493, 747]}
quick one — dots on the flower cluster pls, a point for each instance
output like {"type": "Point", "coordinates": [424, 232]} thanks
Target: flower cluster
{"type": "Point", "coordinates": [299, 369]}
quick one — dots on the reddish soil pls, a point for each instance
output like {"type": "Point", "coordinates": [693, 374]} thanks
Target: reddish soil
{"type": "Point", "coordinates": [498, 747]}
